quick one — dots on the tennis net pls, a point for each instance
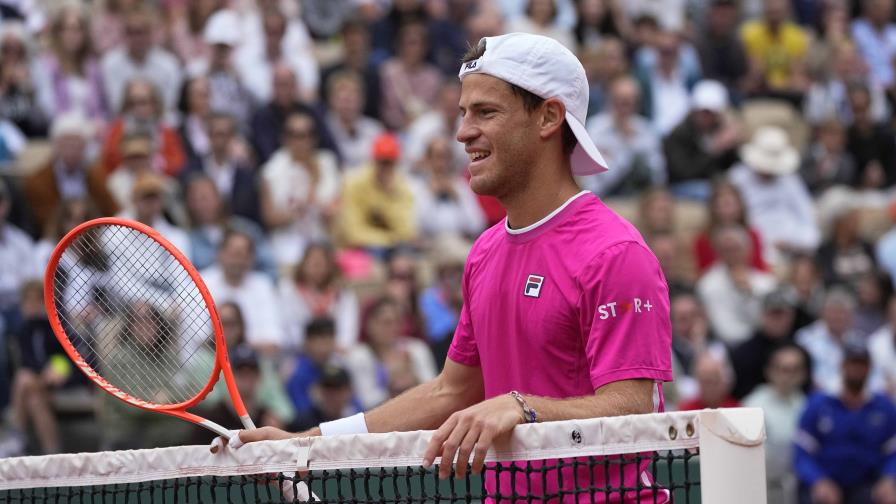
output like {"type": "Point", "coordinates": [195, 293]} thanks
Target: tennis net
{"type": "Point", "coordinates": [682, 457]}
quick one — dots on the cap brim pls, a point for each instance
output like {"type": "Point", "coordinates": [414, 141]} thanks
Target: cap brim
{"type": "Point", "coordinates": [585, 159]}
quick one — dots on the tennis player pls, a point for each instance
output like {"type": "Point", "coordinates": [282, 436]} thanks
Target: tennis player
{"type": "Point", "coordinates": [566, 312]}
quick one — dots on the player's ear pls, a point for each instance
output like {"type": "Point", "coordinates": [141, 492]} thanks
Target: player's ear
{"type": "Point", "coordinates": [553, 115]}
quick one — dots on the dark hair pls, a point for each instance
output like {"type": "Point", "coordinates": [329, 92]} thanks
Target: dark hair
{"type": "Point", "coordinates": [241, 320]}
{"type": "Point", "coordinates": [230, 233]}
{"type": "Point", "coordinates": [320, 326]}
{"type": "Point", "coordinates": [531, 101]}
{"type": "Point", "coordinates": [332, 278]}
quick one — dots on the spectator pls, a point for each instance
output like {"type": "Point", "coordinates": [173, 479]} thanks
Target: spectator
{"type": "Point", "coordinates": [44, 368]}
{"type": "Point", "coordinates": [732, 289]}
{"type": "Point", "coordinates": [299, 190]}
{"type": "Point", "coordinates": [841, 452]}
{"type": "Point", "coordinates": [149, 196]}
{"type": "Point", "coordinates": [408, 82]}
{"type": "Point", "coordinates": [723, 57]}
{"type": "Point", "coordinates": [316, 291]}
{"type": "Point", "coordinates": [352, 132]}
{"type": "Point", "coordinates": [67, 175]}
{"type": "Point", "coordinates": [68, 77]}
{"type": "Point", "coordinates": [885, 248]}
{"type": "Point", "coordinates": [440, 304]}
{"type": "Point", "coordinates": [751, 358]}
{"type": "Point", "coordinates": [403, 287]}
{"type": "Point", "coordinates": [540, 18]}
{"type": "Point", "coordinates": [875, 36]}
{"type": "Point", "coordinates": [195, 108]}
{"type": "Point", "coordinates": [269, 120]}
{"type": "Point", "coordinates": [827, 163]}
{"type": "Point", "coordinates": [18, 100]}
{"type": "Point", "coordinates": [142, 113]}
{"type": "Point", "coordinates": [317, 351]}
{"type": "Point", "coordinates": [715, 379]}
{"type": "Point", "coordinates": [270, 394]}
{"type": "Point", "coordinates": [597, 20]}
{"type": "Point", "coordinates": [185, 32]}
{"type": "Point", "coordinates": [603, 65]}
{"type": "Point", "coordinates": [140, 58]}
{"type": "Point", "coordinates": [385, 348]}
{"type": "Point", "coordinates": [247, 375]}
{"type": "Point", "coordinates": [777, 49]}
{"type": "Point", "coordinates": [444, 202]}
{"type": "Point", "coordinates": [628, 143]}
{"type": "Point", "coordinates": [136, 161]}
{"type": "Point", "coordinates": [691, 336]}
{"type": "Point", "coordinates": [209, 221]}
{"type": "Point", "coordinates": [16, 261]}
{"type": "Point", "coordinates": [777, 201]}
{"type": "Point", "coordinates": [69, 213]}
{"type": "Point", "coordinates": [667, 80]}
{"type": "Point", "coordinates": [872, 292]}
{"type": "Point", "coordinates": [828, 95]}
{"type": "Point", "coordinates": [844, 256]}
{"type": "Point", "coordinates": [331, 399]}
{"type": "Point", "coordinates": [806, 281]}
{"type": "Point", "coordinates": [272, 40]}
{"type": "Point", "coordinates": [442, 121]}
{"type": "Point", "coordinates": [667, 248]}
{"type": "Point", "coordinates": [232, 279]}
{"type": "Point", "coordinates": [824, 339]}
{"type": "Point", "coordinates": [656, 211]}
{"type": "Point", "coordinates": [782, 401]}
{"type": "Point", "coordinates": [704, 145]}
{"type": "Point", "coordinates": [726, 207]}
{"type": "Point", "coordinates": [356, 59]}
{"type": "Point", "coordinates": [882, 346]}
{"type": "Point", "coordinates": [236, 181]}
{"type": "Point", "coordinates": [12, 143]}
{"type": "Point", "coordinates": [378, 203]}
{"type": "Point", "coordinates": [228, 95]}
{"type": "Point", "coordinates": [108, 26]}
{"type": "Point", "coordinates": [870, 143]}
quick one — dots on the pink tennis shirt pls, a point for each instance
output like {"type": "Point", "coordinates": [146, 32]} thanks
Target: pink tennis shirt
{"type": "Point", "coordinates": [559, 309]}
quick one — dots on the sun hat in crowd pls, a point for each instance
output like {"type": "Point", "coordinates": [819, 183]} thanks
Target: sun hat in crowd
{"type": "Point", "coordinates": [709, 95]}
{"type": "Point", "coordinates": [769, 152]}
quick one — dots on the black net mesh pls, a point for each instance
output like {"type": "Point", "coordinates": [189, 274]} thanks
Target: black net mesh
{"type": "Point", "coordinates": [660, 477]}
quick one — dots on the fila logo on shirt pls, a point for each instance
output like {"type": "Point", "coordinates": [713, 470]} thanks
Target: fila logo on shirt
{"type": "Point", "coordinates": [612, 310]}
{"type": "Point", "coordinates": [533, 286]}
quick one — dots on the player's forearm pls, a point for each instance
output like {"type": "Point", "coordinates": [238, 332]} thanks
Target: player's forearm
{"type": "Point", "coordinates": [629, 397]}
{"type": "Point", "coordinates": [424, 407]}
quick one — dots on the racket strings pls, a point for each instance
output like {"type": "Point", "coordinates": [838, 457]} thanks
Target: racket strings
{"type": "Point", "coordinates": [135, 315]}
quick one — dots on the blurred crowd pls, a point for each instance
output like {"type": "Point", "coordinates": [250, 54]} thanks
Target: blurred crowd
{"type": "Point", "coordinates": [301, 154]}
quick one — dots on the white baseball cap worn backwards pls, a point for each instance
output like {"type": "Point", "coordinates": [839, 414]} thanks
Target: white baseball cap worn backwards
{"type": "Point", "coordinates": [547, 69]}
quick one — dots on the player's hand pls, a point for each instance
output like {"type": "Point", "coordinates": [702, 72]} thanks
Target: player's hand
{"type": "Point", "coordinates": [261, 434]}
{"type": "Point", "coordinates": [826, 491]}
{"type": "Point", "coordinates": [472, 430]}
{"type": "Point", "coordinates": [884, 491]}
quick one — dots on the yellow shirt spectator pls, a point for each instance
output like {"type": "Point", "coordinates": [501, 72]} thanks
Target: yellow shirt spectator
{"type": "Point", "coordinates": [776, 53]}
{"type": "Point", "coordinates": [378, 204]}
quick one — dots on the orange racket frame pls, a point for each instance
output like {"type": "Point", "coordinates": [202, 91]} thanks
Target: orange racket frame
{"type": "Point", "coordinates": [222, 362]}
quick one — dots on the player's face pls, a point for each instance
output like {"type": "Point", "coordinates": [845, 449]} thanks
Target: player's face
{"type": "Point", "coordinates": [499, 135]}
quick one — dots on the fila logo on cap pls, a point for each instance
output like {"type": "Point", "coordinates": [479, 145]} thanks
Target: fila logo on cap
{"type": "Point", "coordinates": [533, 286]}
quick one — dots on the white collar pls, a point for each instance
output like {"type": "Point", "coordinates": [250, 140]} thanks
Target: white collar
{"type": "Point", "coordinates": [543, 220]}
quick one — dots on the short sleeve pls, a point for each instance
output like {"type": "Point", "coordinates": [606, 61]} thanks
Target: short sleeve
{"type": "Point", "coordinates": [624, 313]}
{"type": "Point", "coordinates": [463, 348]}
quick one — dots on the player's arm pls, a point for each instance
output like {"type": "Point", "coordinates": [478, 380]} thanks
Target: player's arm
{"type": "Point", "coordinates": [473, 430]}
{"type": "Point", "coordinates": [423, 407]}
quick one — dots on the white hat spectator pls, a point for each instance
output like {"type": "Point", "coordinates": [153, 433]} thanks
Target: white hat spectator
{"type": "Point", "coordinates": [709, 95]}
{"type": "Point", "coordinates": [71, 124]}
{"type": "Point", "coordinates": [223, 27]}
{"type": "Point", "coordinates": [769, 152]}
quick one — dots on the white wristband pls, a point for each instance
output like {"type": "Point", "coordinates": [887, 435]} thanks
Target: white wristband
{"type": "Point", "coordinates": [354, 424]}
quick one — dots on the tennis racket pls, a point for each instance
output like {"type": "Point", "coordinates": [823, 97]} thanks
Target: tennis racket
{"type": "Point", "coordinates": [135, 316]}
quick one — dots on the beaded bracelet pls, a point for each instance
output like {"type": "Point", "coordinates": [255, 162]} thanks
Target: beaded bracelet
{"type": "Point", "coordinates": [529, 414]}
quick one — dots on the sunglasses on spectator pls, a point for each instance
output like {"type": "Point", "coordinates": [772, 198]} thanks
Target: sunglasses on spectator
{"type": "Point", "coordinates": [299, 133]}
